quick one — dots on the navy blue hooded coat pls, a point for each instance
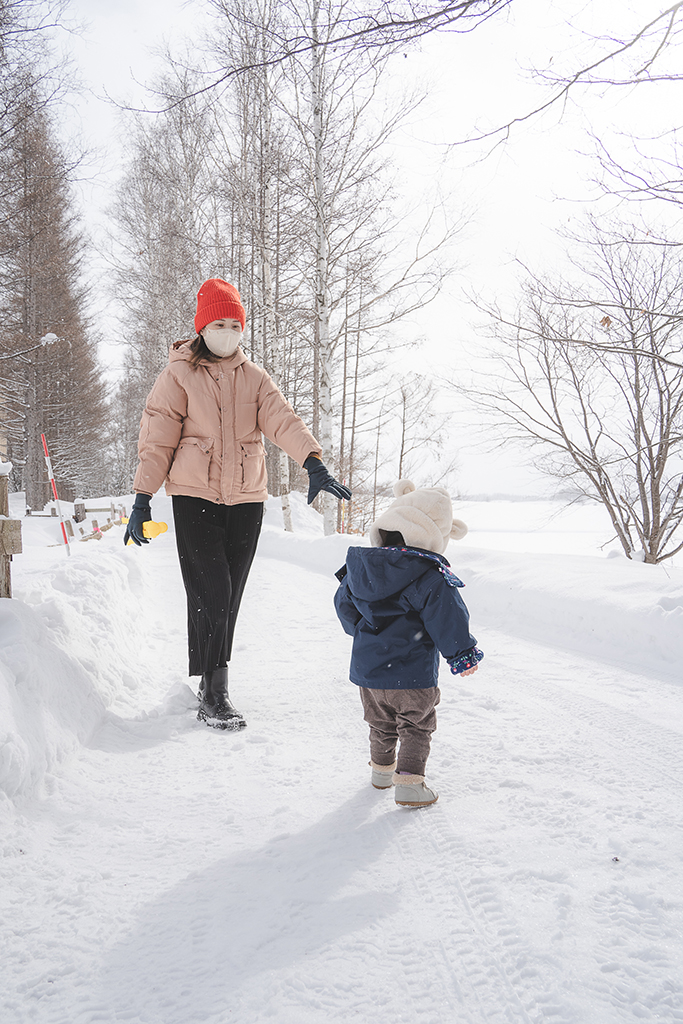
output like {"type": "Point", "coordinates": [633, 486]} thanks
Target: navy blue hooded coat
{"type": "Point", "coordinates": [402, 607]}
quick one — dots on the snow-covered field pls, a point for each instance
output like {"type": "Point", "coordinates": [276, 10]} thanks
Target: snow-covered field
{"type": "Point", "coordinates": [156, 871]}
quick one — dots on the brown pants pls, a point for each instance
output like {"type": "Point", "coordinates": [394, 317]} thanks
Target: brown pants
{"type": "Point", "coordinates": [407, 716]}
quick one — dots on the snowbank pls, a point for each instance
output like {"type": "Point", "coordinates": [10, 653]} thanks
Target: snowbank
{"type": "Point", "coordinates": [69, 643]}
{"type": "Point", "coordinates": [626, 613]}
{"type": "Point", "coordinates": [48, 703]}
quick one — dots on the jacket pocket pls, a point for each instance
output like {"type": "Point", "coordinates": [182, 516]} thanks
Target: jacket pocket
{"type": "Point", "coordinates": [191, 462]}
{"type": "Point", "coordinates": [254, 476]}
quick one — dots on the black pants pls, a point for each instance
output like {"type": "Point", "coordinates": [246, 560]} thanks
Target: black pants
{"type": "Point", "coordinates": [216, 546]}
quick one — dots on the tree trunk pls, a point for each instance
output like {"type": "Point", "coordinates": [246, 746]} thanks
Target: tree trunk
{"type": "Point", "coordinates": [5, 560]}
{"type": "Point", "coordinates": [322, 303]}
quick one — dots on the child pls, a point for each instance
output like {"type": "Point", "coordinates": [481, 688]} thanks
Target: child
{"type": "Point", "coordinates": [400, 603]}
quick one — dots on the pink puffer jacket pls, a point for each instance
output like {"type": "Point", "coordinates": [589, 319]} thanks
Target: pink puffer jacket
{"type": "Point", "coordinates": [201, 429]}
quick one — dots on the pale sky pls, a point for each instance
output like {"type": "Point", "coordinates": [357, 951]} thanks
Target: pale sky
{"type": "Point", "coordinates": [112, 46]}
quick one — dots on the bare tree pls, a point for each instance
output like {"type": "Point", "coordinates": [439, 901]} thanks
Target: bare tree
{"type": "Point", "coordinates": [254, 182]}
{"type": "Point", "coordinates": [645, 169]}
{"type": "Point", "coordinates": [588, 379]}
{"type": "Point", "coordinates": [349, 205]}
{"type": "Point", "coordinates": [206, 194]}
{"type": "Point", "coordinates": [282, 182]}
{"type": "Point", "coordinates": [627, 58]}
{"type": "Point", "coordinates": [423, 430]}
{"type": "Point", "coordinates": [165, 243]}
{"type": "Point", "coordinates": [27, 68]}
{"type": "Point", "coordinates": [380, 25]}
{"type": "Point", "coordinates": [620, 57]}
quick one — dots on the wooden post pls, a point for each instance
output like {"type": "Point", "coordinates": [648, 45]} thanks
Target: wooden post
{"type": "Point", "coordinates": [79, 511]}
{"type": "Point", "coordinates": [10, 540]}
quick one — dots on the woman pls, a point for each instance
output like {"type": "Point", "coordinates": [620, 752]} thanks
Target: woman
{"type": "Point", "coordinates": [201, 433]}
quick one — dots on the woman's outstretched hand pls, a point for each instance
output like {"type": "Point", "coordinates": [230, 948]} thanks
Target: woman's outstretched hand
{"type": "Point", "coordinates": [320, 479]}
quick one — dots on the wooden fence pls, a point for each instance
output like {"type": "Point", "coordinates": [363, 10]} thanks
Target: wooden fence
{"type": "Point", "coordinates": [115, 516]}
{"type": "Point", "coordinates": [10, 539]}
{"type": "Point", "coordinates": [10, 529]}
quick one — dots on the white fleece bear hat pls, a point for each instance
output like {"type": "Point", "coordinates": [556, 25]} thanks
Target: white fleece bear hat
{"type": "Point", "coordinates": [423, 515]}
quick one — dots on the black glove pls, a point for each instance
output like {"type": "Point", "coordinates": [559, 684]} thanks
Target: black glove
{"type": "Point", "coordinates": [319, 479]}
{"type": "Point", "coordinates": [139, 514]}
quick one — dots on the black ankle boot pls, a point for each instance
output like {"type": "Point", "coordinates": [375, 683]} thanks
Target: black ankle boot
{"type": "Point", "coordinates": [214, 705]}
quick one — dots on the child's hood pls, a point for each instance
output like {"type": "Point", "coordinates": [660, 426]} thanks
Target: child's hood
{"type": "Point", "coordinates": [374, 574]}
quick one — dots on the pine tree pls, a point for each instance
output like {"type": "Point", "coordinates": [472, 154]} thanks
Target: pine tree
{"type": "Point", "coordinates": [51, 380]}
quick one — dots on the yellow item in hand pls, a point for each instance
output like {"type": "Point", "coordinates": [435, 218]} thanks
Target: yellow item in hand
{"type": "Point", "coordinates": [150, 529]}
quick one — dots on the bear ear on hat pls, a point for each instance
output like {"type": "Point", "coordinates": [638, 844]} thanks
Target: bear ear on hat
{"type": "Point", "coordinates": [458, 530]}
{"type": "Point", "coordinates": [403, 487]}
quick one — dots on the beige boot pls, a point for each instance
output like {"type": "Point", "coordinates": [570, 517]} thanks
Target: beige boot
{"type": "Point", "coordinates": [411, 791]}
{"type": "Point", "coordinates": [382, 775]}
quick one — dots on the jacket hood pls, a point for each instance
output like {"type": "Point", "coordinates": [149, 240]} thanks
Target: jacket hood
{"type": "Point", "coordinates": [181, 350]}
{"type": "Point", "coordinates": [377, 573]}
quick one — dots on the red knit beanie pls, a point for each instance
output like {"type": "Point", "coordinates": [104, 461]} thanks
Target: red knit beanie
{"type": "Point", "coordinates": [218, 300]}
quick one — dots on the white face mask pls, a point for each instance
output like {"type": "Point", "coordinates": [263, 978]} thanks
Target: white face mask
{"type": "Point", "coordinates": [222, 342]}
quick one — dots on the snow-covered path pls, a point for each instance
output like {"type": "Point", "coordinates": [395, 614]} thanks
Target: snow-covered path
{"type": "Point", "coordinates": [176, 875]}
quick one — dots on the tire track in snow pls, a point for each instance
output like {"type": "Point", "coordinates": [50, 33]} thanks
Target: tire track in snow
{"type": "Point", "coordinates": [642, 907]}
{"type": "Point", "coordinates": [553, 730]}
{"type": "Point", "coordinates": [618, 725]}
{"type": "Point", "coordinates": [470, 959]}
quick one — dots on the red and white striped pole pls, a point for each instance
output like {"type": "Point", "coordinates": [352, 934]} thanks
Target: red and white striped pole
{"type": "Point", "coordinates": [48, 463]}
